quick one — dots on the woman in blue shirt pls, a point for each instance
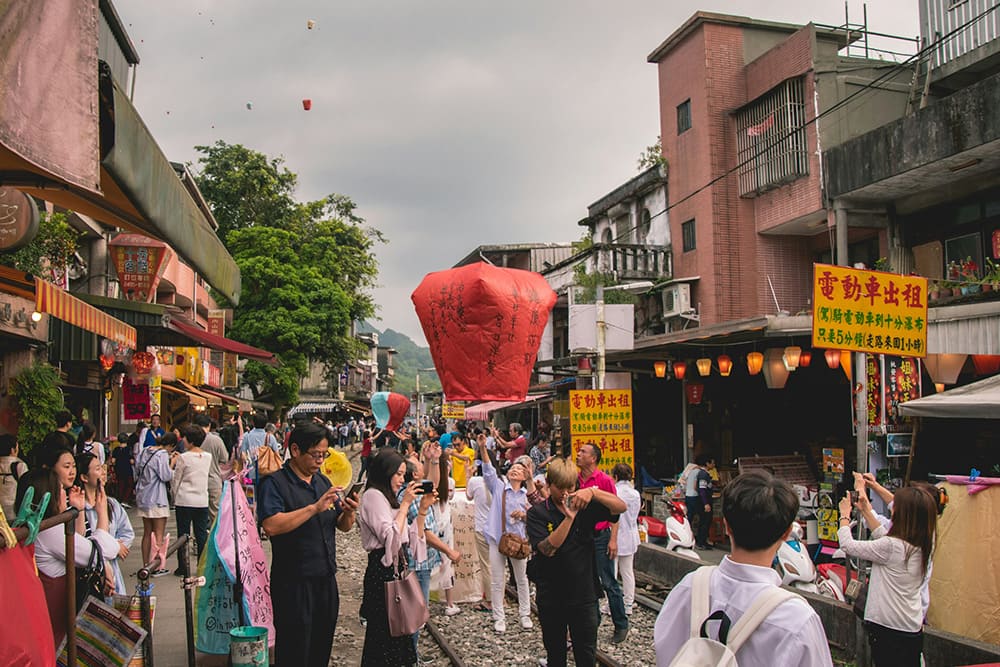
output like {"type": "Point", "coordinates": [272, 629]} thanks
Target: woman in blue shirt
{"type": "Point", "coordinates": [90, 477]}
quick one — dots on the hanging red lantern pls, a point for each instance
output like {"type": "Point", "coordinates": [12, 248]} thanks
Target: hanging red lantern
{"type": "Point", "coordinates": [143, 362]}
{"type": "Point", "coordinates": [755, 362]}
{"type": "Point", "coordinates": [660, 368]}
{"type": "Point", "coordinates": [805, 358]}
{"type": "Point", "coordinates": [680, 368]}
{"type": "Point", "coordinates": [107, 361]}
{"type": "Point", "coordinates": [725, 365]}
{"type": "Point", "coordinates": [832, 358]}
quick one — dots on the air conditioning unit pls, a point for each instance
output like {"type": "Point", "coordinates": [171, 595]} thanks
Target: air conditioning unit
{"type": "Point", "coordinates": [676, 300]}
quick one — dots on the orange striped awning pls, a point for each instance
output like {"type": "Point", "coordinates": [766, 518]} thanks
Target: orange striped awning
{"type": "Point", "coordinates": [61, 304]}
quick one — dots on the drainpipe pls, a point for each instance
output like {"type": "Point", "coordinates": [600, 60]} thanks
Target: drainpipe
{"type": "Point", "coordinates": [840, 218]}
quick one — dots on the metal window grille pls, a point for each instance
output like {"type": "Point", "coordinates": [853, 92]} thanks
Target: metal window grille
{"type": "Point", "coordinates": [684, 116]}
{"type": "Point", "coordinates": [688, 235]}
{"type": "Point", "coordinates": [771, 139]}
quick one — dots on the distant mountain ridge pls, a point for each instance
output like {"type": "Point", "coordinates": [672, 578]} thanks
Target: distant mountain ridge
{"type": "Point", "coordinates": [409, 357]}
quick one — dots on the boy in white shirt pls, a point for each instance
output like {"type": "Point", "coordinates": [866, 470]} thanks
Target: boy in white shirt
{"type": "Point", "coordinates": [758, 510]}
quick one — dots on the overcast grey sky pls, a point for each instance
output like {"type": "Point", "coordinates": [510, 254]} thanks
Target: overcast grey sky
{"type": "Point", "coordinates": [451, 124]}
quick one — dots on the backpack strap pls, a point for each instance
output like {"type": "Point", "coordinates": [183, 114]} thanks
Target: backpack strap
{"type": "Point", "coordinates": [700, 592]}
{"type": "Point", "coordinates": [759, 610]}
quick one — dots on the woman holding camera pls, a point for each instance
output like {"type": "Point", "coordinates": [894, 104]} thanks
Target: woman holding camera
{"type": "Point", "coordinates": [507, 516]}
{"type": "Point", "coordinates": [900, 556]}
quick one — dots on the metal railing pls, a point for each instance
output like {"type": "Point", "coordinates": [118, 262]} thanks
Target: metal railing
{"type": "Point", "coordinates": [633, 261]}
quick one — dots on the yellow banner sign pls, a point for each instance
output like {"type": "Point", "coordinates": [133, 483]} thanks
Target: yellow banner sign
{"type": "Point", "coordinates": [869, 311]}
{"type": "Point", "coordinates": [452, 411]}
{"type": "Point", "coordinates": [603, 418]}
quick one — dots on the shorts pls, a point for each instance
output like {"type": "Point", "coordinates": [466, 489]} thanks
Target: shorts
{"type": "Point", "coordinates": [154, 512]}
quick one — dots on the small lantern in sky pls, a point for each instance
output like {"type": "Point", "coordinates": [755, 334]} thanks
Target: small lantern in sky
{"type": "Point", "coordinates": [310, 24]}
{"type": "Point", "coordinates": [249, 106]}
{"type": "Point", "coordinates": [307, 104]}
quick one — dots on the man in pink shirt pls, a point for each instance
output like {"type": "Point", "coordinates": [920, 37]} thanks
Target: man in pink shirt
{"type": "Point", "coordinates": [516, 446]}
{"type": "Point", "coordinates": [605, 538]}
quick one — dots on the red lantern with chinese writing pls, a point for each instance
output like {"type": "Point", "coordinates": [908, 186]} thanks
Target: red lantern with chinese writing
{"type": "Point", "coordinates": [107, 361]}
{"type": "Point", "coordinates": [725, 365]}
{"type": "Point", "coordinates": [680, 369]}
{"type": "Point", "coordinates": [484, 325]}
{"type": "Point", "coordinates": [694, 390]}
{"type": "Point", "coordinates": [755, 362]}
{"type": "Point", "coordinates": [832, 358]}
{"type": "Point", "coordinates": [142, 362]}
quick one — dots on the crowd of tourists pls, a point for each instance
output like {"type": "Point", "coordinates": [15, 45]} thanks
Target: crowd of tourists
{"type": "Point", "coordinates": [557, 522]}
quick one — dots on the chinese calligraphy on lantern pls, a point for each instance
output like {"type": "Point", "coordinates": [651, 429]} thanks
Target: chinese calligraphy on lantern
{"type": "Point", "coordinates": [869, 311]}
{"type": "Point", "coordinates": [603, 418]}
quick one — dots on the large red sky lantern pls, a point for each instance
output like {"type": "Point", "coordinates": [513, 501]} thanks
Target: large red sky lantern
{"type": "Point", "coordinates": [484, 325]}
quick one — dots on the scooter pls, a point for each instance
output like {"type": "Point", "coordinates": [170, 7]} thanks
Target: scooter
{"type": "Point", "coordinates": [680, 537]}
{"type": "Point", "coordinates": [832, 581]}
{"type": "Point", "coordinates": [794, 563]}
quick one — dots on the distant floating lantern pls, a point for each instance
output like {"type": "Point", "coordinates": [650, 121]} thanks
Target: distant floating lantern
{"type": "Point", "coordinates": [805, 358]}
{"type": "Point", "coordinates": [660, 368]}
{"type": "Point", "coordinates": [832, 358]}
{"type": "Point", "coordinates": [680, 369]}
{"type": "Point", "coordinates": [791, 357]}
{"type": "Point", "coordinates": [725, 365]}
{"type": "Point", "coordinates": [704, 366]}
{"type": "Point", "coordinates": [307, 104]}
{"type": "Point", "coordinates": [250, 106]}
{"type": "Point", "coordinates": [755, 362]}
{"type": "Point", "coordinates": [310, 24]}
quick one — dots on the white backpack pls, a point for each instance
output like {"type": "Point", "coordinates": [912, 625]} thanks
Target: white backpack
{"type": "Point", "coordinates": [699, 650]}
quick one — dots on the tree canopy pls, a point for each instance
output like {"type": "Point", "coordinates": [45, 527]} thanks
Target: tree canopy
{"type": "Point", "coordinates": [307, 267]}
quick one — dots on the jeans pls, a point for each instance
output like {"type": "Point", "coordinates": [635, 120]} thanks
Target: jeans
{"type": "Point", "coordinates": [606, 572]}
{"type": "Point", "coordinates": [696, 508]}
{"type": "Point", "coordinates": [623, 564]}
{"type": "Point", "coordinates": [197, 517]}
{"type": "Point", "coordinates": [497, 576]}
{"type": "Point", "coordinates": [581, 620]}
{"type": "Point", "coordinates": [424, 577]}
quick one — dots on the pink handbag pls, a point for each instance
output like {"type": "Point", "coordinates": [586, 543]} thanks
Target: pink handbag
{"type": "Point", "coordinates": [404, 602]}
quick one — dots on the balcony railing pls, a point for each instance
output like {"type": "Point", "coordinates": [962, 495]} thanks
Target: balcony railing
{"type": "Point", "coordinates": [634, 262]}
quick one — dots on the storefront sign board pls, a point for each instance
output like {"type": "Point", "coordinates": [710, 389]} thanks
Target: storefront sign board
{"type": "Point", "coordinates": [452, 411]}
{"type": "Point", "coordinates": [603, 418]}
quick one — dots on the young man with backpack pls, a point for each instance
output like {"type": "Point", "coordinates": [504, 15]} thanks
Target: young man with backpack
{"type": "Point", "coordinates": [750, 621]}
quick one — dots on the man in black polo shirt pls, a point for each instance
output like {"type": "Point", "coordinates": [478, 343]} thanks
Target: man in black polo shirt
{"type": "Point", "coordinates": [561, 532]}
{"type": "Point", "coordinates": [300, 511]}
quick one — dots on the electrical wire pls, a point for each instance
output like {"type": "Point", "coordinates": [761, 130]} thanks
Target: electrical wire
{"type": "Point", "coordinates": [871, 85]}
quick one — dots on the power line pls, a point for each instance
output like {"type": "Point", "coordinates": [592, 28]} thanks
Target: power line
{"type": "Point", "coordinates": [891, 71]}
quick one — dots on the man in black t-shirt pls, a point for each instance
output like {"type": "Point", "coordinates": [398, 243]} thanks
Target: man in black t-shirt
{"type": "Point", "coordinates": [561, 532]}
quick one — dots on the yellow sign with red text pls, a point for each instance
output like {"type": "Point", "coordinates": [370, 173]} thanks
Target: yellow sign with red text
{"type": "Point", "coordinates": [869, 311]}
{"type": "Point", "coordinates": [603, 418]}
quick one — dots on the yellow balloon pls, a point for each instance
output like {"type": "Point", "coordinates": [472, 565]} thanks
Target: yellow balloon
{"type": "Point", "coordinates": [337, 469]}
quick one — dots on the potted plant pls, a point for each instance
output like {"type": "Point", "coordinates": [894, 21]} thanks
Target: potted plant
{"type": "Point", "coordinates": [933, 290]}
{"type": "Point", "coordinates": [970, 276]}
{"type": "Point", "coordinates": [991, 275]}
{"type": "Point", "coordinates": [954, 275]}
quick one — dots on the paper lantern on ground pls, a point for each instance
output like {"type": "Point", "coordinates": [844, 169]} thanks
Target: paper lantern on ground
{"type": "Point", "coordinates": [805, 358]}
{"type": "Point", "coordinates": [832, 358]}
{"type": "Point", "coordinates": [484, 325]}
{"type": "Point", "coordinates": [389, 409]}
{"type": "Point", "coordinates": [704, 366]}
{"type": "Point", "coordinates": [755, 362]}
{"type": "Point", "coordinates": [660, 368]}
{"type": "Point", "coordinates": [725, 365]}
{"type": "Point", "coordinates": [680, 369]}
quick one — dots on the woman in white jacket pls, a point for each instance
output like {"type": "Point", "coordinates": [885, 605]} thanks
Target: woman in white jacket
{"type": "Point", "coordinates": [50, 545]}
{"type": "Point", "coordinates": [628, 532]}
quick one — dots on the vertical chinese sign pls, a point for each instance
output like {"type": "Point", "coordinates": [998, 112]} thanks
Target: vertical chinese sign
{"type": "Point", "coordinates": [139, 261]}
{"type": "Point", "coordinates": [135, 400]}
{"type": "Point", "coordinates": [901, 383]}
{"type": "Point", "coordinates": [603, 417]}
{"type": "Point", "coordinates": [869, 311]}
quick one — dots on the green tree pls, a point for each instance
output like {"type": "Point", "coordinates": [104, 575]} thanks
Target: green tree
{"type": "Point", "coordinates": [652, 156]}
{"type": "Point", "coordinates": [54, 245]}
{"type": "Point", "coordinates": [307, 268]}
{"type": "Point", "coordinates": [37, 397]}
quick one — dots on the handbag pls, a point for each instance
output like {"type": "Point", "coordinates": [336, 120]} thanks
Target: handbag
{"type": "Point", "coordinates": [404, 601]}
{"type": "Point", "coordinates": [511, 545]}
{"type": "Point", "coordinates": [90, 580]}
{"type": "Point", "coordinates": [268, 462]}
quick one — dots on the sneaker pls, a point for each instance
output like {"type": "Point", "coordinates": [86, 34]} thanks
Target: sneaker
{"type": "Point", "coordinates": [619, 636]}
{"type": "Point", "coordinates": [605, 609]}
{"type": "Point", "coordinates": [452, 610]}
{"type": "Point", "coordinates": [159, 573]}
{"type": "Point", "coordinates": [500, 627]}
{"type": "Point", "coordinates": [628, 610]}
{"type": "Point", "coordinates": [526, 622]}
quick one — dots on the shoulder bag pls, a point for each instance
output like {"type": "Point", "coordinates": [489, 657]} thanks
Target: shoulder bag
{"type": "Point", "coordinates": [404, 600]}
{"type": "Point", "coordinates": [511, 545]}
{"type": "Point", "coordinates": [90, 580]}
{"type": "Point", "coordinates": [268, 462]}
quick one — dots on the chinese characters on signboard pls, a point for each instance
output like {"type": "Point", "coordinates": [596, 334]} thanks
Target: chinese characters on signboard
{"type": "Point", "coordinates": [139, 261]}
{"type": "Point", "coordinates": [603, 418]}
{"type": "Point", "coordinates": [452, 411]}
{"type": "Point", "coordinates": [873, 399]}
{"type": "Point", "coordinates": [901, 383]}
{"type": "Point", "coordinates": [869, 311]}
{"type": "Point", "coordinates": [217, 322]}
{"type": "Point", "coordinates": [135, 400]}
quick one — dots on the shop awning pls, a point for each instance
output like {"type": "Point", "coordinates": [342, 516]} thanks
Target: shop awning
{"type": "Point", "coordinates": [51, 151]}
{"type": "Point", "coordinates": [63, 305]}
{"type": "Point", "coordinates": [482, 411]}
{"type": "Point", "coordinates": [979, 400]}
{"type": "Point", "coordinates": [314, 407]}
{"type": "Point", "coordinates": [221, 343]}
{"type": "Point", "coordinates": [241, 404]}
{"type": "Point", "coordinates": [213, 401]}
{"type": "Point", "coordinates": [193, 398]}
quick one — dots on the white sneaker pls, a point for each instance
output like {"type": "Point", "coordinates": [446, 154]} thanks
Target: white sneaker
{"type": "Point", "coordinates": [500, 627]}
{"type": "Point", "coordinates": [452, 610]}
{"type": "Point", "coordinates": [628, 610]}
{"type": "Point", "coordinates": [526, 622]}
